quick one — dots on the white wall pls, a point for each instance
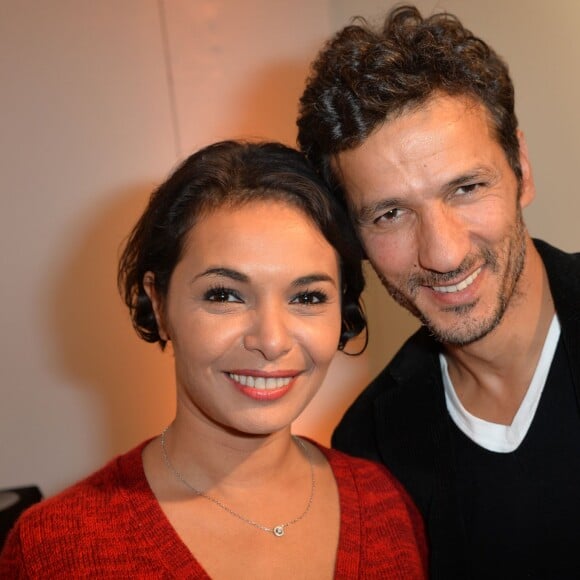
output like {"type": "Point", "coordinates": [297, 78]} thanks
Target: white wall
{"type": "Point", "coordinates": [92, 118]}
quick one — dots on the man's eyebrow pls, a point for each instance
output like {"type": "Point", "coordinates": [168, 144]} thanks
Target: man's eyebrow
{"type": "Point", "coordinates": [312, 278]}
{"type": "Point", "coordinates": [367, 213]}
{"type": "Point", "coordinates": [223, 272]}
{"type": "Point", "coordinates": [467, 178]}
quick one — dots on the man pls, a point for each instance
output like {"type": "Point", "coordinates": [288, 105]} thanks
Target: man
{"type": "Point", "coordinates": [478, 414]}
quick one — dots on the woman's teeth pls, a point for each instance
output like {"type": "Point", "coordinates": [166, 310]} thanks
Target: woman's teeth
{"type": "Point", "coordinates": [458, 287]}
{"type": "Point", "coordinates": [263, 383]}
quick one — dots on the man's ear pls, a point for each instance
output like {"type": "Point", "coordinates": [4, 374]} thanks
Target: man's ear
{"type": "Point", "coordinates": [157, 303]}
{"type": "Point", "coordinates": [528, 187]}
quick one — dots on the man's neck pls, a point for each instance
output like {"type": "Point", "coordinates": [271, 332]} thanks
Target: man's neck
{"type": "Point", "coordinates": [491, 376]}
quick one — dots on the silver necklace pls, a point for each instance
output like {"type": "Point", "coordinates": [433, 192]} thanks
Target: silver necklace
{"type": "Point", "coordinates": [278, 530]}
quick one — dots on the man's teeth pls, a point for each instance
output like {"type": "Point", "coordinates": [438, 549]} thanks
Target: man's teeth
{"type": "Point", "coordinates": [263, 383]}
{"type": "Point", "coordinates": [458, 287]}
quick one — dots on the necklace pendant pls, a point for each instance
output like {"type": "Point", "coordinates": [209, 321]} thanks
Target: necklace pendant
{"type": "Point", "coordinates": [278, 531]}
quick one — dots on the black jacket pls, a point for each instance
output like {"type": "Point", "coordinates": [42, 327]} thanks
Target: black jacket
{"type": "Point", "coordinates": [401, 420]}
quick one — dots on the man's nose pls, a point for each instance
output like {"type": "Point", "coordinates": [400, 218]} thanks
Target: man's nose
{"type": "Point", "coordinates": [443, 240]}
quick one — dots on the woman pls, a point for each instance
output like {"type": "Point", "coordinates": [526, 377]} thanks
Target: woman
{"type": "Point", "coordinates": [248, 268]}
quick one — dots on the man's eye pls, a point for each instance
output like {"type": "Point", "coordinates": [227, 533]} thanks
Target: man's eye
{"type": "Point", "coordinates": [222, 295]}
{"type": "Point", "coordinates": [308, 298]}
{"type": "Point", "coordinates": [390, 215]}
{"type": "Point", "coordinates": [467, 189]}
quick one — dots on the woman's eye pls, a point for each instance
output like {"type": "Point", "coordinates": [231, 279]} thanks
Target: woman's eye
{"type": "Point", "coordinates": [308, 298]}
{"type": "Point", "coordinates": [222, 295]}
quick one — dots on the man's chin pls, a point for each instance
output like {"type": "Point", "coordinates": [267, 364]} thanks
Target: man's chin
{"type": "Point", "coordinates": [468, 332]}
{"type": "Point", "coordinates": [462, 333]}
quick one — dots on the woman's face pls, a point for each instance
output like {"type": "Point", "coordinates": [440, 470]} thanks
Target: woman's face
{"type": "Point", "coordinates": [254, 317]}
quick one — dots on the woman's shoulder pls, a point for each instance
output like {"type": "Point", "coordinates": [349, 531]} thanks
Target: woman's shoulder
{"type": "Point", "coordinates": [98, 493]}
{"type": "Point", "coordinates": [370, 484]}
{"type": "Point", "coordinates": [102, 525]}
{"type": "Point", "coordinates": [370, 473]}
{"type": "Point", "coordinates": [375, 503]}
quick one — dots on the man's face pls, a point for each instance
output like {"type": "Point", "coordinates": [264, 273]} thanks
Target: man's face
{"type": "Point", "coordinates": [437, 209]}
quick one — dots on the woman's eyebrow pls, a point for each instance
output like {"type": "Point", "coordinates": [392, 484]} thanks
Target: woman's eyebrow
{"type": "Point", "coordinates": [312, 278]}
{"type": "Point", "coordinates": [239, 277]}
{"type": "Point", "coordinates": [223, 272]}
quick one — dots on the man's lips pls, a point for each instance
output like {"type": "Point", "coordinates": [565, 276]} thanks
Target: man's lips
{"type": "Point", "coordinates": [465, 283]}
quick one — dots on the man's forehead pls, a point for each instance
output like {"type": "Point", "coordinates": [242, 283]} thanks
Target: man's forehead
{"type": "Point", "coordinates": [418, 124]}
{"type": "Point", "coordinates": [424, 150]}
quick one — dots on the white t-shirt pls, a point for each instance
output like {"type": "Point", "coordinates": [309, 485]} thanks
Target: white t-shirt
{"type": "Point", "coordinates": [503, 438]}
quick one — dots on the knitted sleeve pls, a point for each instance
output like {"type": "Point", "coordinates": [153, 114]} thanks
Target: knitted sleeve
{"type": "Point", "coordinates": [392, 524]}
{"type": "Point", "coordinates": [382, 526]}
{"type": "Point", "coordinates": [11, 560]}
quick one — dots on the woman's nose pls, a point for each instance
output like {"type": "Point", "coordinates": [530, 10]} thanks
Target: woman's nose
{"type": "Point", "coordinates": [269, 332]}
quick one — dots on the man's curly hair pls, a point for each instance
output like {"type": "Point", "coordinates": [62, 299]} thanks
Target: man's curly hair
{"type": "Point", "coordinates": [363, 77]}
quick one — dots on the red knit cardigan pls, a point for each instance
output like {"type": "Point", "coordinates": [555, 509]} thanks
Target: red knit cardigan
{"type": "Point", "coordinates": [110, 525]}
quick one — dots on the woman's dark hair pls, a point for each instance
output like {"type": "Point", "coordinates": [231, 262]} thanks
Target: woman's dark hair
{"type": "Point", "coordinates": [230, 174]}
{"type": "Point", "coordinates": [363, 77]}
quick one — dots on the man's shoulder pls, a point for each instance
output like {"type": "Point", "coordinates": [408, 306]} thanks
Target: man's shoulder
{"type": "Point", "coordinates": [563, 270]}
{"type": "Point", "coordinates": [550, 253]}
{"type": "Point", "coordinates": [365, 477]}
{"type": "Point", "coordinates": [415, 357]}
{"type": "Point", "coordinates": [409, 369]}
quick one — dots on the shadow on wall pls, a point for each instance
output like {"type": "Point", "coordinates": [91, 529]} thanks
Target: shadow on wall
{"type": "Point", "coordinates": [265, 107]}
{"type": "Point", "coordinates": [95, 343]}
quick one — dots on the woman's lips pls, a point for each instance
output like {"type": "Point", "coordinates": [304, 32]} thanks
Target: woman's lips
{"type": "Point", "coordinates": [262, 383]}
{"type": "Point", "coordinates": [263, 387]}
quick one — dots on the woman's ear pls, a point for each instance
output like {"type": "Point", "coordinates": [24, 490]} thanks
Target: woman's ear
{"type": "Point", "coordinates": [157, 303]}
